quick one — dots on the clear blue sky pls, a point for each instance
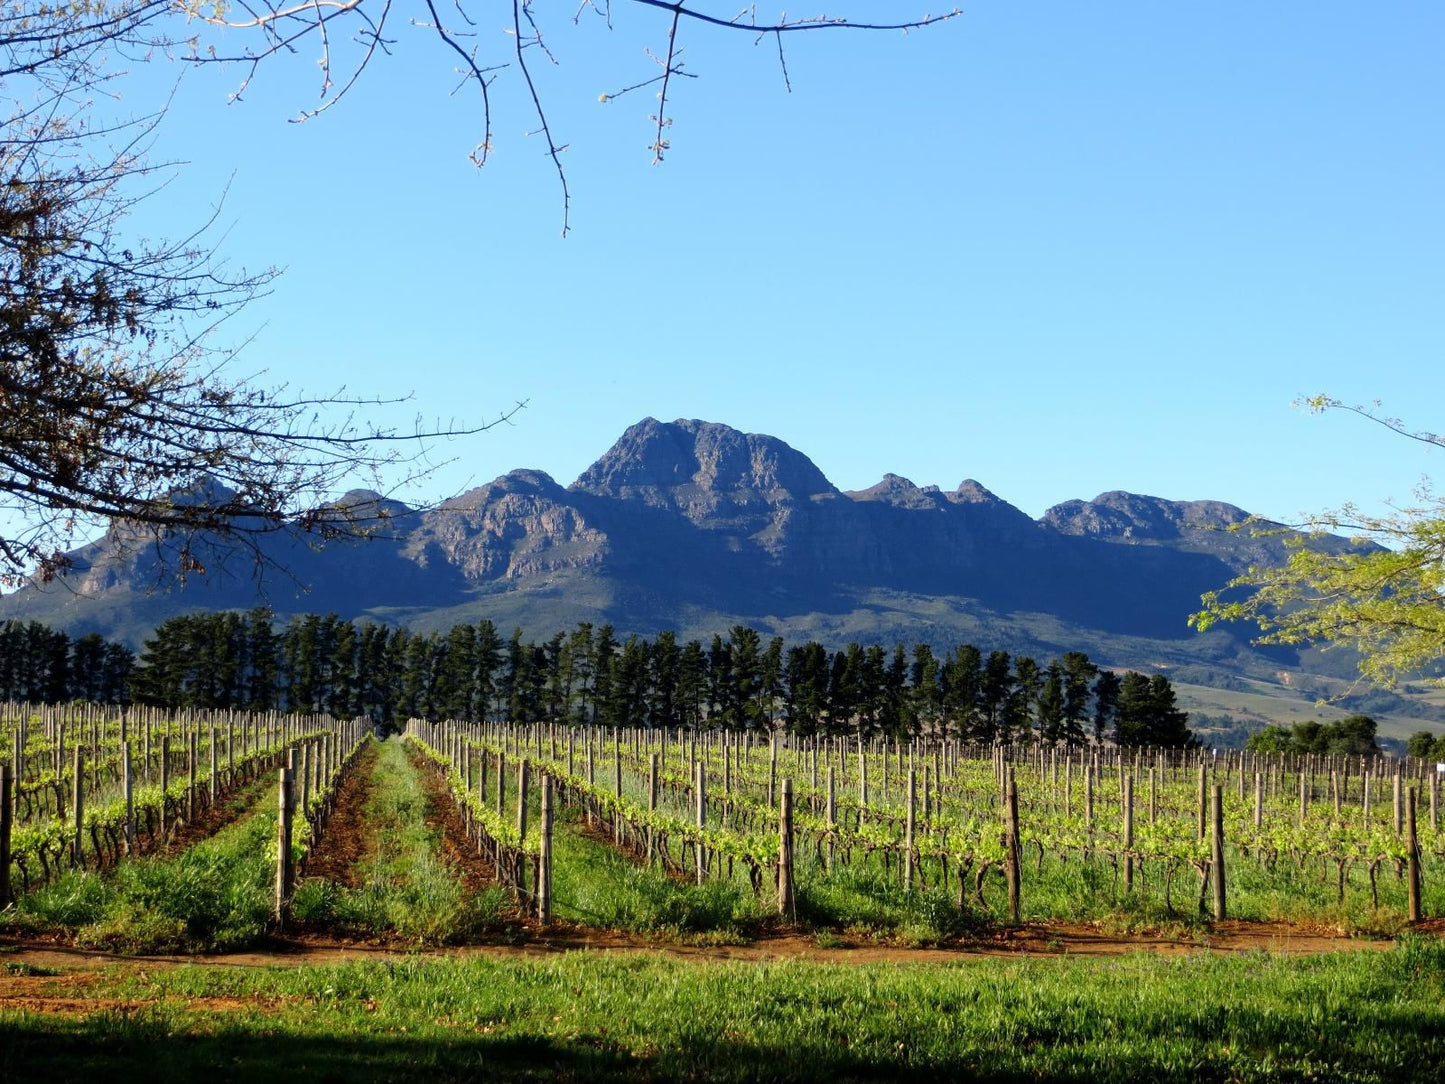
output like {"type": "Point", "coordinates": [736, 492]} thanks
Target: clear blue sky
{"type": "Point", "coordinates": [1060, 248]}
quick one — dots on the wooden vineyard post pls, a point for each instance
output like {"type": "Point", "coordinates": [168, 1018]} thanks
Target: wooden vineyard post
{"type": "Point", "coordinates": [652, 810]}
{"type": "Point", "coordinates": [1258, 799]}
{"type": "Point", "coordinates": [165, 782]}
{"type": "Point", "coordinates": [522, 777]}
{"type": "Point", "coordinates": [501, 783]}
{"type": "Point", "coordinates": [785, 850]}
{"type": "Point", "coordinates": [773, 772]}
{"type": "Point", "coordinates": [127, 782]}
{"type": "Point", "coordinates": [591, 776]}
{"type": "Point", "coordinates": [215, 769]}
{"type": "Point", "coordinates": [617, 786]}
{"type": "Point", "coordinates": [191, 780]}
{"type": "Point", "coordinates": [832, 813]}
{"type": "Point", "coordinates": [1412, 857]}
{"type": "Point", "coordinates": [1396, 798]}
{"type": "Point", "coordinates": [544, 853]}
{"type": "Point", "coordinates": [700, 775]}
{"type": "Point", "coordinates": [7, 817]}
{"type": "Point", "coordinates": [283, 846]}
{"type": "Point", "coordinates": [1435, 801]}
{"type": "Point", "coordinates": [862, 778]}
{"type": "Point", "coordinates": [1011, 844]}
{"type": "Point", "coordinates": [1304, 799]}
{"type": "Point", "coordinates": [1129, 833]}
{"type": "Point", "coordinates": [1088, 798]}
{"type": "Point", "coordinates": [77, 803]}
{"type": "Point", "coordinates": [1153, 799]}
{"type": "Point", "coordinates": [908, 830]}
{"type": "Point", "coordinates": [1203, 800]}
{"type": "Point", "coordinates": [1218, 853]}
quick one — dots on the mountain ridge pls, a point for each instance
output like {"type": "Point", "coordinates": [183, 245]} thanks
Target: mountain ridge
{"type": "Point", "coordinates": [684, 523]}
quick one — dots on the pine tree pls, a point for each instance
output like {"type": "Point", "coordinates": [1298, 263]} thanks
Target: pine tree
{"type": "Point", "coordinates": [1107, 689]}
{"type": "Point", "coordinates": [1052, 727]}
{"type": "Point", "coordinates": [1079, 674]}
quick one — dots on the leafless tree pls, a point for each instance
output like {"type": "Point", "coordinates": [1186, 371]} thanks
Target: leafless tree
{"type": "Point", "coordinates": [114, 404]}
{"type": "Point", "coordinates": [350, 33]}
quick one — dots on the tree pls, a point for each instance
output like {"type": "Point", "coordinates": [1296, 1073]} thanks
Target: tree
{"type": "Point", "coordinates": [336, 26]}
{"type": "Point", "coordinates": [1353, 736]}
{"type": "Point", "coordinates": [1051, 704]}
{"type": "Point", "coordinates": [1079, 672]}
{"type": "Point", "coordinates": [1424, 745]}
{"type": "Point", "coordinates": [1386, 600]}
{"type": "Point", "coordinates": [1108, 687]}
{"type": "Point", "coordinates": [1131, 718]}
{"type": "Point", "coordinates": [115, 405]}
{"type": "Point", "coordinates": [1166, 722]}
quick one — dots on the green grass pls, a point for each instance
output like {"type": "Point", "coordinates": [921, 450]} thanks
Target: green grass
{"type": "Point", "coordinates": [1363, 1017]}
{"type": "Point", "coordinates": [865, 898]}
{"type": "Point", "coordinates": [867, 901]}
{"type": "Point", "coordinates": [407, 889]}
{"type": "Point", "coordinates": [593, 883]}
{"type": "Point", "coordinates": [214, 896]}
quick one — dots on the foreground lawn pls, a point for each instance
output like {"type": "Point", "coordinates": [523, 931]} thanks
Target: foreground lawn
{"type": "Point", "coordinates": [1364, 1016]}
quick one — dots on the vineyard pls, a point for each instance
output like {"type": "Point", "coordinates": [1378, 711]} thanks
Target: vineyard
{"type": "Point", "coordinates": [911, 907]}
{"type": "Point", "coordinates": [455, 831]}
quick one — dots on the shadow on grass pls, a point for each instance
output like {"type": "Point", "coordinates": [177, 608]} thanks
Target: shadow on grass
{"type": "Point", "coordinates": [117, 1048]}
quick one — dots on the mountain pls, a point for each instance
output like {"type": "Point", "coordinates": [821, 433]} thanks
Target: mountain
{"type": "Point", "coordinates": [696, 526]}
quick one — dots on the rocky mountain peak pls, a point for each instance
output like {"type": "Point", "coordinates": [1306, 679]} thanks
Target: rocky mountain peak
{"type": "Point", "coordinates": [898, 491]}
{"type": "Point", "coordinates": [654, 458]}
{"type": "Point", "coordinates": [1138, 517]}
{"type": "Point", "coordinates": [971, 492]}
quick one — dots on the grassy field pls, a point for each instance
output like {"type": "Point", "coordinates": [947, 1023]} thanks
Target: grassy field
{"type": "Point", "coordinates": [214, 895]}
{"type": "Point", "coordinates": [595, 1016]}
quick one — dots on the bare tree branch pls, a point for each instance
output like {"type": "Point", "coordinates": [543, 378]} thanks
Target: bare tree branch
{"type": "Point", "coordinates": [282, 24]}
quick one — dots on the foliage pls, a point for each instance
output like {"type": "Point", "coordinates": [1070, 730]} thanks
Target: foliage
{"type": "Point", "coordinates": [1425, 745]}
{"type": "Point", "coordinates": [1384, 597]}
{"type": "Point", "coordinates": [323, 663]}
{"type": "Point", "coordinates": [1354, 736]}
{"type": "Point", "coordinates": [46, 666]}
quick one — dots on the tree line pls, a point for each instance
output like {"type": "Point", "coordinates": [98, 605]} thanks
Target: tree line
{"type": "Point", "coordinates": [1353, 736]}
{"type": "Point", "coordinates": [589, 675]}
{"type": "Point", "coordinates": [44, 665]}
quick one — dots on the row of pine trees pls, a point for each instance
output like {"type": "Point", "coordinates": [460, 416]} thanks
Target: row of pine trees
{"type": "Point", "coordinates": [233, 660]}
{"type": "Point", "coordinates": [588, 675]}
{"type": "Point", "coordinates": [45, 666]}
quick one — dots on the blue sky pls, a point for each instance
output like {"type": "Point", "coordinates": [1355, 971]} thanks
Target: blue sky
{"type": "Point", "coordinates": [1059, 248]}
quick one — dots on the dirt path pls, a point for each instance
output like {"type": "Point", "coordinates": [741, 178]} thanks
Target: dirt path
{"type": "Point", "coordinates": [348, 840]}
{"type": "Point", "coordinates": [1033, 939]}
{"type": "Point", "coordinates": [442, 814]}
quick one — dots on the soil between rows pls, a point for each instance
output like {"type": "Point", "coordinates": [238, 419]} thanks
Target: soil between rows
{"type": "Point", "coordinates": [346, 843]}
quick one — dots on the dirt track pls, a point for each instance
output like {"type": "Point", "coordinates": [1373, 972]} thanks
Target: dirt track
{"type": "Point", "coordinates": [1036, 939]}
